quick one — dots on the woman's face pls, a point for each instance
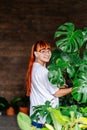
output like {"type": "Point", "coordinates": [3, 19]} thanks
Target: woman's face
{"type": "Point", "coordinates": [43, 56]}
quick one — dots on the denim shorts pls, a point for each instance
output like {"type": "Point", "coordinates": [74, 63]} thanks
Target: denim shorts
{"type": "Point", "coordinates": [38, 125]}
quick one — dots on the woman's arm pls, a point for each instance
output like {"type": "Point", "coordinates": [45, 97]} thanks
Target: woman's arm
{"type": "Point", "coordinates": [62, 92]}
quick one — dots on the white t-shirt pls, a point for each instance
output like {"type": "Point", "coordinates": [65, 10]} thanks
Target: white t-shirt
{"type": "Point", "coordinates": [42, 89]}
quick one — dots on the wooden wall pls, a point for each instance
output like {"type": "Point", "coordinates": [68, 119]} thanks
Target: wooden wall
{"type": "Point", "coordinates": [22, 23]}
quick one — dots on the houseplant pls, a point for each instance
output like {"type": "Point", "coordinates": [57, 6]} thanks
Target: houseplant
{"type": "Point", "coordinates": [69, 60]}
{"type": "Point", "coordinates": [18, 104]}
{"type": "Point", "coordinates": [12, 107]}
{"type": "Point", "coordinates": [7, 107]}
{"type": "Point", "coordinates": [60, 121]}
{"type": "Point", "coordinates": [22, 104]}
{"type": "Point", "coordinates": [3, 105]}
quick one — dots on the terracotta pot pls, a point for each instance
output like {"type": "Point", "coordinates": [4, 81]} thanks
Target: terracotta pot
{"type": "Point", "coordinates": [10, 111]}
{"type": "Point", "coordinates": [24, 110]}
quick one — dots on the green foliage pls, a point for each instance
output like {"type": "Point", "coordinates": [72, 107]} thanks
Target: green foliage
{"type": "Point", "coordinates": [21, 101]}
{"type": "Point", "coordinates": [15, 103]}
{"type": "Point", "coordinates": [24, 122]}
{"type": "Point", "coordinates": [63, 118]}
{"type": "Point", "coordinates": [3, 104]}
{"type": "Point", "coordinates": [72, 121]}
{"type": "Point", "coordinates": [69, 60]}
{"type": "Point", "coordinates": [42, 111]}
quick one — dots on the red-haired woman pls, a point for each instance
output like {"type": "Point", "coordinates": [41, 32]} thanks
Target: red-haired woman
{"type": "Point", "coordinates": [39, 88]}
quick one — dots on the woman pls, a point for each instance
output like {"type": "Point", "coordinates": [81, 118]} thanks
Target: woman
{"type": "Point", "coordinates": [39, 88]}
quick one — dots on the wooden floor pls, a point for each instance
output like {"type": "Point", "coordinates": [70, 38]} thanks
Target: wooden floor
{"type": "Point", "coordinates": [8, 123]}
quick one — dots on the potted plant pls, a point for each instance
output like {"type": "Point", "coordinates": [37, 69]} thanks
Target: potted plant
{"type": "Point", "coordinates": [12, 107]}
{"type": "Point", "coordinates": [7, 107]}
{"type": "Point", "coordinates": [69, 60]}
{"type": "Point", "coordinates": [10, 111]}
{"type": "Point", "coordinates": [69, 120]}
{"type": "Point", "coordinates": [3, 105]}
{"type": "Point", "coordinates": [23, 104]}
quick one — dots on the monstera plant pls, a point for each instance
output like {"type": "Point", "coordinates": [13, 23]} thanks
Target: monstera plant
{"type": "Point", "coordinates": [69, 60]}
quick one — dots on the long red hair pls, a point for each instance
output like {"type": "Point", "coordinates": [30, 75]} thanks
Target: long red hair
{"type": "Point", "coordinates": [38, 46]}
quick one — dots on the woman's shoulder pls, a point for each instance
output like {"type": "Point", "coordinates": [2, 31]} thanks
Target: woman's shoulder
{"type": "Point", "coordinates": [39, 68]}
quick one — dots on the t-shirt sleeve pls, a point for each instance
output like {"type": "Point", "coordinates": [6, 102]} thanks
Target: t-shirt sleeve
{"type": "Point", "coordinates": [52, 88]}
{"type": "Point", "coordinates": [43, 77]}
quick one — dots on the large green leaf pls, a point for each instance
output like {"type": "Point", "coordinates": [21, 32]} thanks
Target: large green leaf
{"type": "Point", "coordinates": [23, 121]}
{"type": "Point", "coordinates": [61, 64]}
{"type": "Point", "coordinates": [65, 56]}
{"type": "Point", "coordinates": [80, 94]}
{"type": "Point", "coordinates": [68, 39]}
{"type": "Point", "coordinates": [72, 58]}
{"type": "Point", "coordinates": [55, 54]}
{"type": "Point", "coordinates": [71, 71]}
{"type": "Point", "coordinates": [41, 111]}
{"type": "Point", "coordinates": [83, 66]}
{"type": "Point", "coordinates": [56, 71]}
{"type": "Point", "coordinates": [58, 118]}
{"type": "Point", "coordinates": [66, 110]}
{"type": "Point", "coordinates": [56, 77]}
{"type": "Point", "coordinates": [53, 74]}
